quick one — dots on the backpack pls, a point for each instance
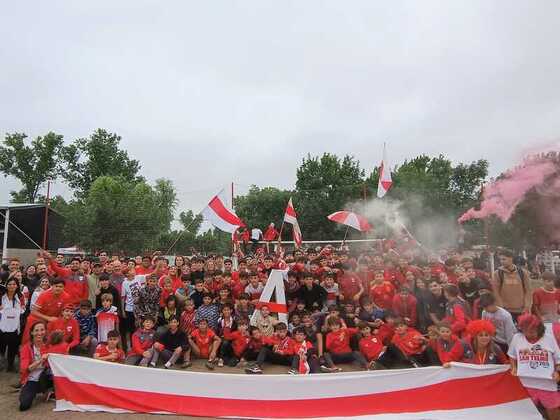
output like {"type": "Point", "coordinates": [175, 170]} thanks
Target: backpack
{"type": "Point", "coordinates": [521, 275]}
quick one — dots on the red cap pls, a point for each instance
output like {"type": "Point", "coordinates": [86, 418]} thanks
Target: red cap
{"type": "Point", "coordinates": [68, 306]}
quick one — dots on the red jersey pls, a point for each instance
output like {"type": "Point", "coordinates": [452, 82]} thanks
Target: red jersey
{"type": "Point", "coordinates": [239, 341]}
{"type": "Point", "coordinates": [339, 341]}
{"type": "Point", "coordinates": [382, 295]}
{"type": "Point", "coordinates": [203, 340]}
{"type": "Point", "coordinates": [405, 308]}
{"type": "Point", "coordinates": [410, 343]}
{"type": "Point", "coordinates": [176, 282]}
{"type": "Point", "coordinates": [349, 286]}
{"type": "Point", "coordinates": [386, 333]}
{"type": "Point", "coordinates": [103, 350]}
{"type": "Point", "coordinates": [545, 303]}
{"type": "Point", "coordinates": [50, 305]}
{"type": "Point", "coordinates": [70, 328]}
{"type": "Point", "coordinates": [371, 347]}
{"type": "Point", "coordinates": [75, 283]}
{"type": "Point", "coordinates": [283, 346]}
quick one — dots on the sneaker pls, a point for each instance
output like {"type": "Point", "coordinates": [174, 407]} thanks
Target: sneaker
{"type": "Point", "coordinates": [326, 369]}
{"type": "Point", "coordinates": [415, 363]}
{"type": "Point", "coordinates": [186, 365]}
{"type": "Point", "coordinates": [373, 365]}
{"type": "Point", "coordinates": [220, 362]}
{"type": "Point", "coordinates": [210, 364]}
{"type": "Point", "coordinates": [293, 372]}
{"type": "Point", "coordinates": [255, 370]}
{"type": "Point", "coordinates": [167, 365]}
{"type": "Point", "coordinates": [152, 364]}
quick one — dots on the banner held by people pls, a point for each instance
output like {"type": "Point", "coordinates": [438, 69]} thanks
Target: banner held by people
{"type": "Point", "coordinates": [437, 393]}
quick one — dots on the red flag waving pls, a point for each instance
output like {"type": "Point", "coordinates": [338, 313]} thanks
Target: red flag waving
{"type": "Point", "coordinates": [290, 217]}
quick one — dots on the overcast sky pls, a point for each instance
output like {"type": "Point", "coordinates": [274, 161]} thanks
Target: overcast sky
{"type": "Point", "coordinates": [205, 93]}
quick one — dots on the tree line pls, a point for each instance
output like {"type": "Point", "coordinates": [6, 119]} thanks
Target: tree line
{"type": "Point", "coordinates": [113, 206]}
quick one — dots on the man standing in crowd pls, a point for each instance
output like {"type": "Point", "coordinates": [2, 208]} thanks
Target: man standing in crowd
{"type": "Point", "coordinates": [511, 286]}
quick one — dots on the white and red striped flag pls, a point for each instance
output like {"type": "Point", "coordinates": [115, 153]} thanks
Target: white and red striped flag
{"type": "Point", "coordinates": [385, 180]}
{"type": "Point", "coordinates": [461, 392]}
{"type": "Point", "coordinates": [220, 215]}
{"type": "Point", "coordinates": [290, 217]}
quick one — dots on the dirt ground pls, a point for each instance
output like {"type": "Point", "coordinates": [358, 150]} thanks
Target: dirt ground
{"type": "Point", "coordinates": [42, 410]}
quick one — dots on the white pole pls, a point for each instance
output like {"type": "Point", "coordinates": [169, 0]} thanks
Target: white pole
{"type": "Point", "coordinates": [5, 241]}
{"type": "Point", "coordinates": [492, 266]}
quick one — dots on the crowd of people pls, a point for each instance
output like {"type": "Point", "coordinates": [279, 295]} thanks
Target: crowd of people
{"type": "Point", "coordinates": [375, 308]}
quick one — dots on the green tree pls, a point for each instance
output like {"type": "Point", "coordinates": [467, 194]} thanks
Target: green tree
{"type": "Point", "coordinates": [31, 164]}
{"type": "Point", "coordinates": [120, 216]}
{"type": "Point", "coordinates": [99, 155]}
{"type": "Point", "coordinates": [262, 206]}
{"type": "Point", "coordinates": [324, 185]}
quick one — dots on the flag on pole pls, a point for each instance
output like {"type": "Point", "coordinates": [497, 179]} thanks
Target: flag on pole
{"type": "Point", "coordinates": [290, 217]}
{"type": "Point", "coordinates": [385, 181]}
{"type": "Point", "coordinates": [221, 216]}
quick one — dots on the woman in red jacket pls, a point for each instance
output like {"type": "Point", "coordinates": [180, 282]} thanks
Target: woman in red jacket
{"type": "Point", "coordinates": [35, 376]}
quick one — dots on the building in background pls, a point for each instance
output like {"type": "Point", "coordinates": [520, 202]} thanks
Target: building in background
{"type": "Point", "coordinates": [30, 219]}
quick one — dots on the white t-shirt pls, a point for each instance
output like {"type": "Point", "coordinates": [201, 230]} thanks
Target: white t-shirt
{"type": "Point", "coordinates": [535, 362]}
{"type": "Point", "coordinates": [256, 234]}
{"type": "Point", "coordinates": [130, 290]}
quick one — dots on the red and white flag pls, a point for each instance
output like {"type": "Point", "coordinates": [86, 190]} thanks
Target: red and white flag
{"type": "Point", "coordinates": [436, 393]}
{"type": "Point", "coordinates": [385, 180]}
{"type": "Point", "coordinates": [290, 217]}
{"type": "Point", "coordinates": [221, 216]}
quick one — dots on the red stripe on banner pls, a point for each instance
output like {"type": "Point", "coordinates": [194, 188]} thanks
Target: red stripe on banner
{"type": "Point", "coordinates": [223, 213]}
{"type": "Point", "coordinates": [484, 391]}
{"type": "Point", "coordinates": [274, 307]}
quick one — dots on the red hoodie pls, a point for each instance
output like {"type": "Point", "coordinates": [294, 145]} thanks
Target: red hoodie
{"type": "Point", "coordinates": [448, 351]}
{"type": "Point", "coordinates": [284, 346]}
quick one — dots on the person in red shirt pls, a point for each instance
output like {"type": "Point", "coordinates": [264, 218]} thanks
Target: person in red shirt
{"type": "Point", "coordinates": [68, 326]}
{"type": "Point", "coordinates": [142, 341]}
{"type": "Point", "coordinates": [382, 292]}
{"type": "Point", "coordinates": [447, 346]}
{"type": "Point", "coordinates": [404, 306]}
{"type": "Point", "coordinates": [56, 343]}
{"type": "Point", "coordinates": [235, 343]}
{"type": "Point", "coordinates": [48, 306]}
{"type": "Point", "coordinates": [338, 347]}
{"type": "Point", "coordinates": [110, 351]}
{"type": "Point", "coordinates": [305, 358]}
{"type": "Point", "coordinates": [34, 376]}
{"type": "Point", "coordinates": [145, 268]}
{"type": "Point", "coordinates": [546, 299]}
{"type": "Point", "coordinates": [350, 285]}
{"type": "Point", "coordinates": [371, 345]}
{"type": "Point", "coordinates": [408, 347]}
{"type": "Point", "coordinates": [204, 343]}
{"type": "Point", "coordinates": [457, 313]}
{"type": "Point", "coordinates": [76, 282]}
{"type": "Point", "coordinates": [277, 349]}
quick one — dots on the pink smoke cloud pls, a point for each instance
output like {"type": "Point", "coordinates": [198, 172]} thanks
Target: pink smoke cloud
{"type": "Point", "coordinates": [502, 197]}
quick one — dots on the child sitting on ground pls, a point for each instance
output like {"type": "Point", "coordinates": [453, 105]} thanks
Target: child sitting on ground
{"type": "Point", "coordinates": [235, 343]}
{"type": "Point", "coordinates": [171, 346]}
{"type": "Point", "coordinates": [278, 349]}
{"type": "Point", "coordinates": [110, 351]}
{"type": "Point", "coordinates": [371, 345]}
{"type": "Point", "coordinates": [447, 346]}
{"type": "Point", "coordinates": [88, 329]}
{"type": "Point", "coordinates": [338, 347]}
{"type": "Point", "coordinates": [204, 344]}
{"type": "Point", "coordinates": [142, 341]}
